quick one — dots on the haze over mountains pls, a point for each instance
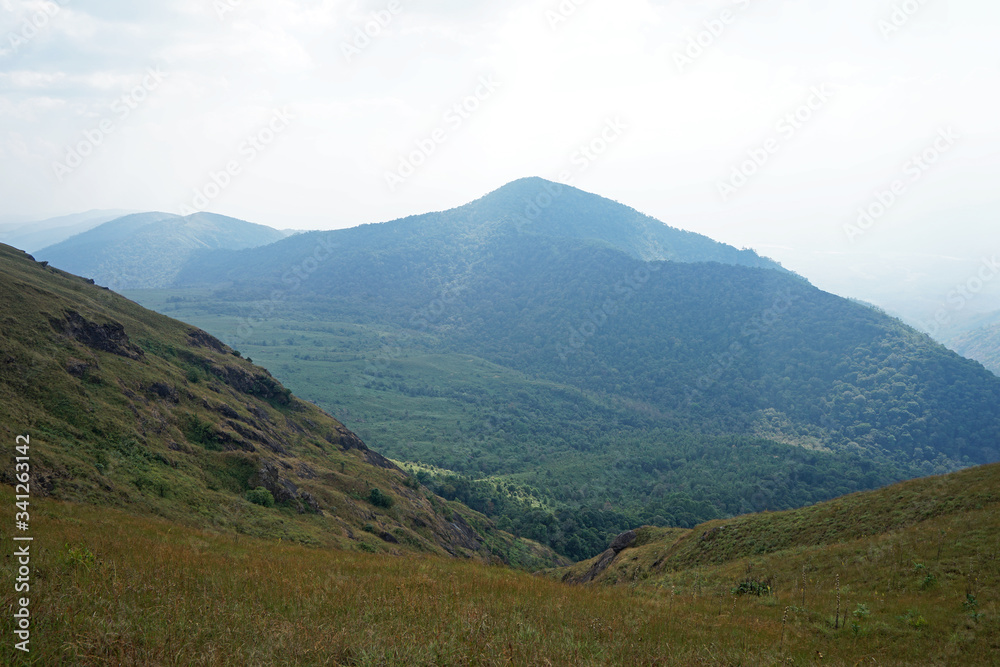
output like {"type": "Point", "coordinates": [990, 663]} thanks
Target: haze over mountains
{"type": "Point", "coordinates": [145, 250]}
{"type": "Point", "coordinates": [581, 385]}
{"type": "Point", "coordinates": [33, 236]}
{"type": "Point", "coordinates": [585, 368]}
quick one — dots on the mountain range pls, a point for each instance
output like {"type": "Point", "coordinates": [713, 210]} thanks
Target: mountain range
{"type": "Point", "coordinates": [33, 236]}
{"type": "Point", "coordinates": [566, 382]}
{"type": "Point", "coordinates": [571, 367]}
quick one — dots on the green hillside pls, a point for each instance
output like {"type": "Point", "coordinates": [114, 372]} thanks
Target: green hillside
{"type": "Point", "coordinates": [576, 390]}
{"type": "Point", "coordinates": [903, 576]}
{"type": "Point", "coordinates": [127, 408]}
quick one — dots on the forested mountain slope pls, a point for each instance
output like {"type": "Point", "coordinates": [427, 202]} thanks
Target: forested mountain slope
{"type": "Point", "coordinates": [124, 407]}
{"type": "Point", "coordinates": [580, 385]}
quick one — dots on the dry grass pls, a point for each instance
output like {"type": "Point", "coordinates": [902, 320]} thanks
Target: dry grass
{"type": "Point", "coordinates": [161, 594]}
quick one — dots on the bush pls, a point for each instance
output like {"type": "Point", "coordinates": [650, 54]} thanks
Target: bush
{"type": "Point", "coordinates": [379, 499]}
{"type": "Point", "coordinates": [261, 496]}
{"type": "Point", "coordinates": [752, 587]}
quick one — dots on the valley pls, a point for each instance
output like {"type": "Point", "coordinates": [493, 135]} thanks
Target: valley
{"type": "Point", "coordinates": [563, 378]}
{"type": "Point", "coordinates": [550, 447]}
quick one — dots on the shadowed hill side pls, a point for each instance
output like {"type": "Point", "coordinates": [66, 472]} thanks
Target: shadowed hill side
{"type": "Point", "coordinates": [129, 408]}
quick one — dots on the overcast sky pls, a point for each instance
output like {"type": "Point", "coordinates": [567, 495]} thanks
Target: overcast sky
{"type": "Point", "coordinates": [301, 116]}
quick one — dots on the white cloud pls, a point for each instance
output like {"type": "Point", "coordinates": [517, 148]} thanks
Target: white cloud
{"type": "Point", "coordinates": [686, 129]}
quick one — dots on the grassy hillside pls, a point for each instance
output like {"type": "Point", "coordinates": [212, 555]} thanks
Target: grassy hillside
{"type": "Point", "coordinates": [112, 588]}
{"type": "Point", "coordinates": [862, 516]}
{"type": "Point", "coordinates": [127, 408]}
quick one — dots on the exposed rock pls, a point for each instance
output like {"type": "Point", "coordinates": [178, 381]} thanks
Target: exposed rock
{"type": "Point", "coordinates": [601, 565]}
{"type": "Point", "coordinates": [108, 337]}
{"type": "Point", "coordinates": [378, 460]}
{"type": "Point", "coordinates": [200, 338]}
{"type": "Point", "coordinates": [463, 535]}
{"type": "Point", "coordinates": [605, 560]}
{"type": "Point", "coordinates": [284, 490]}
{"type": "Point", "coordinates": [258, 412]}
{"type": "Point", "coordinates": [348, 440]}
{"type": "Point", "coordinates": [258, 437]}
{"type": "Point", "coordinates": [623, 541]}
{"type": "Point", "coordinates": [260, 384]}
{"type": "Point", "coordinates": [388, 537]}
{"type": "Point", "coordinates": [165, 391]}
{"type": "Point", "coordinates": [77, 368]}
{"type": "Point", "coordinates": [310, 502]}
{"type": "Point", "coordinates": [227, 411]}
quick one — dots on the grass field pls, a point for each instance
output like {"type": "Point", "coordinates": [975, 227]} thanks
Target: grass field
{"type": "Point", "coordinates": [110, 588]}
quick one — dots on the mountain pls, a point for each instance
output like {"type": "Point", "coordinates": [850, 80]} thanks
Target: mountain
{"type": "Point", "coordinates": [552, 378]}
{"type": "Point", "coordinates": [146, 250]}
{"type": "Point", "coordinates": [127, 408]}
{"type": "Point", "coordinates": [34, 236]}
{"type": "Point", "coordinates": [524, 208]}
{"type": "Point", "coordinates": [981, 343]}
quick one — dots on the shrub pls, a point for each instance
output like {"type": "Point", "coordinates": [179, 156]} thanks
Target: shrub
{"type": "Point", "coordinates": [261, 496]}
{"type": "Point", "coordinates": [79, 556]}
{"type": "Point", "coordinates": [752, 587]}
{"type": "Point", "coordinates": [379, 499]}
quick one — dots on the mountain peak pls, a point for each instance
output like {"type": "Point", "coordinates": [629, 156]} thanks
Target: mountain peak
{"type": "Point", "coordinates": [535, 205]}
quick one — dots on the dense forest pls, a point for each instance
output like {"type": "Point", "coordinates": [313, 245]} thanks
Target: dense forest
{"type": "Point", "coordinates": [579, 370]}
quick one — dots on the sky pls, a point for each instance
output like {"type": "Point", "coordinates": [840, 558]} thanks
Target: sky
{"type": "Point", "coordinates": [856, 141]}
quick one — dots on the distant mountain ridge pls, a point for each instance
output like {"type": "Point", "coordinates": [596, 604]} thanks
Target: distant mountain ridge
{"type": "Point", "coordinates": [981, 344]}
{"type": "Point", "coordinates": [524, 207]}
{"type": "Point", "coordinates": [146, 250]}
{"type": "Point", "coordinates": [537, 347]}
{"type": "Point", "coordinates": [33, 236]}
